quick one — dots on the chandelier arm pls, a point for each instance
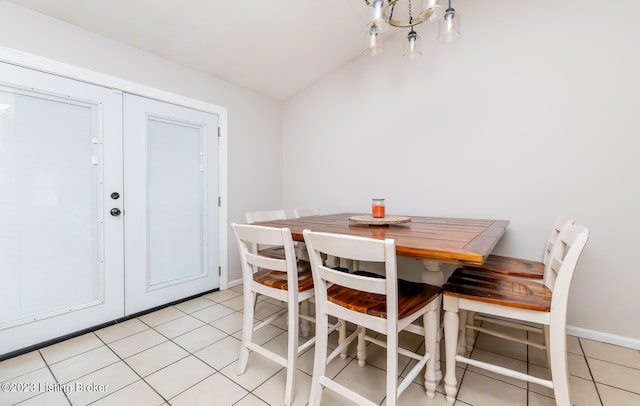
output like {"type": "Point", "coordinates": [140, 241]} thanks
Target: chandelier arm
{"type": "Point", "coordinates": [399, 23]}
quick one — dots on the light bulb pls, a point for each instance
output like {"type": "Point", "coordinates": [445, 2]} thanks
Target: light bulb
{"type": "Point", "coordinates": [412, 46]}
{"type": "Point", "coordinates": [374, 44]}
{"type": "Point", "coordinates": [449, 26]}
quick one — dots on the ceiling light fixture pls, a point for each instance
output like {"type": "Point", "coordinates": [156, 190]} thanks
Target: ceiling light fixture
{"type": "Point", "coordinates": [407, 14]}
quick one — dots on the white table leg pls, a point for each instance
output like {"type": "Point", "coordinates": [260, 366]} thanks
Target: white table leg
{"type": "Point", "coordinates": [434, 274]}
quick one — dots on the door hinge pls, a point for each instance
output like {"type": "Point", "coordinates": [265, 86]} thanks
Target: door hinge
{"type": "Point", "coordinates": [219, 132]}
{"type": "Point", "coordinates": [219, 271]}
{"type": "Point", "coordinates": [219, 201]}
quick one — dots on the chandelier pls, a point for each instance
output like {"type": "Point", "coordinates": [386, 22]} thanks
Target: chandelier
{"type": "Point", "coordinates": [407, 14]}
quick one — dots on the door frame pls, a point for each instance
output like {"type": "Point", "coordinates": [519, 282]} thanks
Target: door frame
{"type": "Point", "coordinates": [118, 85]}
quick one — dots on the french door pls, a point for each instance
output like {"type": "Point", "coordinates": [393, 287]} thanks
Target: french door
{"type": "Point", "coordinates": [93, 228]}
{"type": "Point", "coordinates": [171, 204]}
{"type": "Point", "coordinates": [61, 251]}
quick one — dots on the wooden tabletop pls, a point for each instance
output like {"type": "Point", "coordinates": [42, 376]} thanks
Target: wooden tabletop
{"type": "Point", "coordinates": [450, 240]}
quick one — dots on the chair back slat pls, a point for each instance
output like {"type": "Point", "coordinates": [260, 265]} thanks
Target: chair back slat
{"type": "Point", "coordinates": [563, 258]}
{"type": "Point", "coordinates": [561, 223]}
{"type": "Point", "coordinates": [260, 234]}
{"type": "Point", "coordinates": [356, 248]}
{"type": "Point", "coordinates": [260, 261]}
{"type": "Point", "coordinates": [362, 283]}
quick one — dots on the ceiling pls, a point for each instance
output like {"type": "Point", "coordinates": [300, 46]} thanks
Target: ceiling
{"type": "Point", "coordinates": [273, 47]}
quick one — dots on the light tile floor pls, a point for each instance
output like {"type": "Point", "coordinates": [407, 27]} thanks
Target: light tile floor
{"type": "Point", "coordinates": [185, 355]}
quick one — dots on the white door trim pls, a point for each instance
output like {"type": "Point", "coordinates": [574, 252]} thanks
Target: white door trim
{"type": "Point", "coordinates": [32, 61]}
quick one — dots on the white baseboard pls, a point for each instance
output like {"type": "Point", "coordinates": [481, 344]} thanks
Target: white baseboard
{"type": "Point", "coordinates": [604, 337]}
{"type": "Point", "coordinates": [233, 283]}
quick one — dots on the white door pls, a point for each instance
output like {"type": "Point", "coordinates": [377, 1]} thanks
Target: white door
{"type": "Point", "coordinates": [61, 251]}
{"type": "Point", "coordinates": [171, 202]}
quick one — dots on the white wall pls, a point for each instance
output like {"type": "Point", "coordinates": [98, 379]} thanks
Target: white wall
{"type": "Point", "coordinates": [533, 114]}
{"type": "Point", "coordinates": [253, 173]}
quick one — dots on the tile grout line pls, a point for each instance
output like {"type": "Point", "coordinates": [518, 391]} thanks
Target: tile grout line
{"type": "Point", "coordinates": [128, 366]}
{"type": "Point", "coordinates": [89, 373]}
{"type": "Point", "coordinates": [189, 353]}
{"type": "Point", "coordinates": [54, 377]}
{"type": "Point", "coordinates": [593, 379]}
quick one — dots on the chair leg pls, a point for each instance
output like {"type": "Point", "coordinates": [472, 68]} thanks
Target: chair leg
{"type": "Point", "coordinates": [437, 354]}
{"type": "Point", "coordinates": [451, 321]}
{"type": "Point", "coordinates": [470, 334]}
{"type": "Point", "coordinates": [546, 343]}
{"type": "Point", "coordinates": [557, 345]}
{"type": "Point", "coordinates": [392, 369]}
{"type": "Point", "coordinates": [361, 349]}
{"type": "Point", "coordinates": [431, 327]}
{"type": "Point", "coordinates": [305, 325]}
{"type": "Point", "coordinates": [342, 335]}
{"type": "Point", "coordinates": [462, 332]}
{"type": "Point", "coordinates": [292, 351]}
{"type": "Point", "coordinates": [320, 359]}
{"type": "Point", "coordinates": [247, 330]}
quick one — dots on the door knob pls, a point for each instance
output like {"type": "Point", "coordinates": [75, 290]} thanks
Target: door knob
{"type": "Point", "coordinates": [115, 212]}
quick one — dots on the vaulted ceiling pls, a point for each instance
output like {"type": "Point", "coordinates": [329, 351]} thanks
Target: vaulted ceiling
{"type": "Point", "coordinates": [274, 47]}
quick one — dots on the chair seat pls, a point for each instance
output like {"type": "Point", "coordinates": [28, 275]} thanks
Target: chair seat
{"type": "Point", "coordinates": [278, 279]}
{"type": "Point", "coordinates": [513, 266]}
{"type": "Point", "coordinates": [505, 290]}
{"type": "Point", "coordinates": [412, 296]}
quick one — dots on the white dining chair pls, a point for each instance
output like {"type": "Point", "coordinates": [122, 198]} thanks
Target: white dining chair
{"type": "Point", "coordinates": [383, 305]}
{"type": "Point", "coordinates": [522, 299]}
{"type": "Point", "coordinates": [516, 267]}
{"type": "Point", "coordinates": [278, 252]}
{"type": "Point", "coordinates": [264, 215]}
{"type": "Point", "coordinates": [277, 278]}
{"type": "Point", "coordinates": [306, 212]}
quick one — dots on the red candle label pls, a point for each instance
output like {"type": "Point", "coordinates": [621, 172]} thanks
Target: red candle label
{"type": "Point", "coordinates": [378, 210]}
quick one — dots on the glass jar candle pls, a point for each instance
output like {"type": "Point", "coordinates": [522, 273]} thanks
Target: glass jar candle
{"type": "Point", "coordinates": [377, 208]}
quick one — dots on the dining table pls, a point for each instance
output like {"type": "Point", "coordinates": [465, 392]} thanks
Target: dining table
{"type": "Point", "coordinates": [441, 243]}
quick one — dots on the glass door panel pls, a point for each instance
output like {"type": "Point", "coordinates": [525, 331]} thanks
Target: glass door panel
{"type": "Point", "coordinates": [175, 201]}
{"type": "Point", "coordinates": [50, 221]}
